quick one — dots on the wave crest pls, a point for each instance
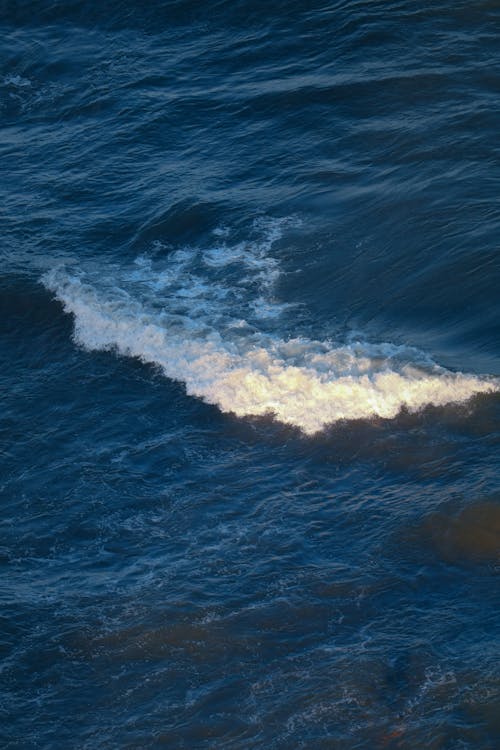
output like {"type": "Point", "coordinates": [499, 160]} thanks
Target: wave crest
{"type": "Point", "coordinates": [182, 320]}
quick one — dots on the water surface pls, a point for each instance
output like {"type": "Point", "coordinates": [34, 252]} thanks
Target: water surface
{"type": "Point", "coordinates": [250, 374]}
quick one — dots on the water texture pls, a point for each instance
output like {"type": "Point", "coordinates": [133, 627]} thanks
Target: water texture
{"type": "Point", "coordinates": [250, 375]}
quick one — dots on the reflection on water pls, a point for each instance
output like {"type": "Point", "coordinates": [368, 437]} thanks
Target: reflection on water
{"type": "Point", "coordinates": [471, 534]}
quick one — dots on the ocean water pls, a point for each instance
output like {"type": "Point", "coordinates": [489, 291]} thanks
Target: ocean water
{"type": "Point", "coordinates": [250, 375]}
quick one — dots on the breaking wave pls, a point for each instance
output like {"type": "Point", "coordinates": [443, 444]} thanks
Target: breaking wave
{"type": "Point", "coordinates": [202, 316]}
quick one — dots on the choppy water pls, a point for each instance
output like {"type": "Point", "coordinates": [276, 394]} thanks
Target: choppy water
{"type": "Point", "coordinates": [250, 375]}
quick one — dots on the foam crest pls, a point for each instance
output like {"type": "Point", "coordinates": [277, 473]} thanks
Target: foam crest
{"type": "Point", "coordinates": [182, 320]}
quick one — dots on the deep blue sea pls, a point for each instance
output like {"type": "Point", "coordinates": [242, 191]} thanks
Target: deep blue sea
{"type": "Point", "coordinates": [250, 375]}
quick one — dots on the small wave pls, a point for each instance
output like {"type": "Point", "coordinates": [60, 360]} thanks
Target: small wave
{"type": "Point", "coordinates": [199, 322]}
{"type": "Point", "coordinates": [17, 81]}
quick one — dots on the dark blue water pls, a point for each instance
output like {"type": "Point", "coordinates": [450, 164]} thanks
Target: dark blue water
{"type": "Point", "coordinates": [250, 370]}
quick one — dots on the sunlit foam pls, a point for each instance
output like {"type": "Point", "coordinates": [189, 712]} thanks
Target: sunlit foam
{"type": "Point", "coordinates": [188, 321]}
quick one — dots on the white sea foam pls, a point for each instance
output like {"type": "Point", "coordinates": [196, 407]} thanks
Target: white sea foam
{"type": "Point", "coordinates": [201, 328]}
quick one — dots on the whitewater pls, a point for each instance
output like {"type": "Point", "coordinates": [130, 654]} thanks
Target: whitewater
{"type": "Point", "coordinates": [203, 317]}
